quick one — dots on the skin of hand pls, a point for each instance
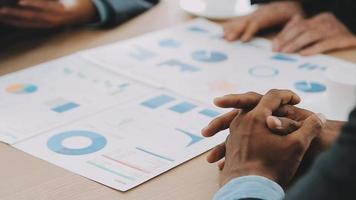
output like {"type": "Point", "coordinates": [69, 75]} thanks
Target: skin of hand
{"type": "Point", "coordinates": [319, 34]}
{"type": "Point", "coordinates": [44, 14]}
{"type": "Point", "coordinates": [285, 120]}
{"type": "Point", "coordinates": [266, 16]}
{"type": "Point", "coordinates": [252, 149]}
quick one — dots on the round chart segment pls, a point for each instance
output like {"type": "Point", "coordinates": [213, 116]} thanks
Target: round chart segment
{"type": "Point", "coordinates": [57, 143]}
{"type": "Point", "coordinates": [21, 88]}
{"type": "Point", "coordinates": [310, 86]}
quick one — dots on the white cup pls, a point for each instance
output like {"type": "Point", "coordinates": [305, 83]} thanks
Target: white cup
{"type": "Point", "coordinates": [341, 84]}
{"type": "Point", "coordinates": [220, 7]}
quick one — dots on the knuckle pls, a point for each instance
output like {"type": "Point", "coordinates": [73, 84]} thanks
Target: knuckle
{"type": "Point", "coordinates": [252, 93]}
{"type": "Point", "coordinates": [274, 93]}
{"type": "Point", "coordinates": [297, 146]}
{"type": "Point", "coordinates": [316, 123]}
{"type": "Point", "coordinates": [253, 117]}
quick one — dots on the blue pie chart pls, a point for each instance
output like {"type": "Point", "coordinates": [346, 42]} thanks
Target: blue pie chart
{"type": "Point", "coordinates": [310, 86]}
{"type": "Point", "coordinates": [55, 143]}
{"type": "Point", "coordinates": [209, 56]}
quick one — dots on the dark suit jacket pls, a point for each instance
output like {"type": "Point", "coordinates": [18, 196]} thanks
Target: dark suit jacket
{"type": "Point", "coordinates": [123, 10]}
{"type": "Point", "coordinates": [333, 175]}
{"type": "Point", "coordinates": [344, 10]}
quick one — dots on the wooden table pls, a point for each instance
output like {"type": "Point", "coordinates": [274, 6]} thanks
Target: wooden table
{"type": "Point", "coordinates": [25, 177]}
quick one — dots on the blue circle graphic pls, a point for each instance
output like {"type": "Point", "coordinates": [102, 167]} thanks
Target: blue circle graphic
{"type": "Point", "coordinates": [209, 56]}
{"type": "Point", "coordinates": [55, 143]}
{"type": "Point", "coordinates": [263, 72]}
{"type": "Point", "coordinates": [310, 87]}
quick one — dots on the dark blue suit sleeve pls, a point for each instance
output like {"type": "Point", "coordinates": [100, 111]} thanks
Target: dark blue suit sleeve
{"type": "Point", "coordinates": [333, 175]}
{"type": "Point", "coordinates": [123, 10]}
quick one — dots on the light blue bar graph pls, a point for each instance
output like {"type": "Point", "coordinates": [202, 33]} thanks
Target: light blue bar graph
{"type": "Point", "coordinates": [158, 101]}
{"type": "Point", "coordinates": [210, 113]}
{"type": "Point", "coordinates": [183, 107]}
{"type": "Point", "coordinates": [183, 67]}
{"type": "Point", "coordinates": [142, 54]}
{"type": "Point", "coordinates": [198, 29]}
{"type": "Point", "coordinates": [65, 107]}
{"type": "Point", "coordinates": [311, 67]}
{"type": "Point", "coordinates": [283, 57]}
{"type": "Point", "coordinates": [110, 170]}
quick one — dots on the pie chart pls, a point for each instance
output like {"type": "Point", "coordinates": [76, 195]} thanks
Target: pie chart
{"type": "Point", "coordinates": [21, 88]}
{"type": "Point", "coordinates": [310, 86]}
{"type": "Point", "coordinates": [209, 56]}
{"type": "Point", "coordinates": [76, 142]}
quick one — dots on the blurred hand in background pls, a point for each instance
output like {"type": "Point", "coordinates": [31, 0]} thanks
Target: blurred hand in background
{"type": "Point", "coordinates": [44, 14]}
{"type": "Point", "coordinates": [307, 36]}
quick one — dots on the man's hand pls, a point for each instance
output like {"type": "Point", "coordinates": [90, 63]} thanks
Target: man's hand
{"type": "Point", "coordinates": [322, 33]}
{"type": "Point", "coordinates": [48, 13]}
{"type": "Point", "coordinates": [286, 119]}
{"type": "Point", "coordinates": [252, 149]}
{"type": "Point", "coordinates": [266, 16]}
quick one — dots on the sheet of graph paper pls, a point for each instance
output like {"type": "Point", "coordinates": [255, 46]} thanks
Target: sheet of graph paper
{"type": "Point", "coordinates": [124, 113]}
{"type": "Point", "coordinates": [194, 60]}
{"type": "Point", "coordinates": [131, 143]}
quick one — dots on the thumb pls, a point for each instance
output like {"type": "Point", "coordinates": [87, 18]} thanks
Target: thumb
{"type": "Point", "coordinates": [282, 125]}
{"type": "Point", "coordinates": [310, 128]}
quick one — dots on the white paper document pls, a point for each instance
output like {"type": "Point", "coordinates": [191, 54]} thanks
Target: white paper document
{"type": "Point", "coordinates": [124, 113]}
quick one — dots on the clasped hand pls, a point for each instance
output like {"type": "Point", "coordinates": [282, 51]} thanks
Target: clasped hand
{"type": "Point", "coordinates": [268, 135]}
{"type": "Point", "coordinates": [48, 13]}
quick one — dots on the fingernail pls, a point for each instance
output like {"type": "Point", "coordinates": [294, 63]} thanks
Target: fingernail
{"type": "Point", "coordinates": [218, 99]}
{"type": "Point", "coordinates": [230, 36]}
{"type": "Point", "coordinates": [275, 46]}
{"type": "Point", "coordinates": [321, 117]}
{"type": "Point", "coordinates": [278, 123]}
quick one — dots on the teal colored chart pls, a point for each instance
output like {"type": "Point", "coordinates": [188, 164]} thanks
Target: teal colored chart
{"type": "Point", "coordinates": [21, 88]}
{"type": "Point", "coordinates": [310, 87]}
{"type": "Point", "coordinates": [193, 138]}
{"type": "Point", "coordinates": [284, 58]}
{"type": "Point", "coordinates": [55, 143]}
{"type": "Point", "coordinates": [183, 67]}
{"type": "Point", "coordinates": [209, 56]}
{"type": "Point", "coordinates": [198, 29]}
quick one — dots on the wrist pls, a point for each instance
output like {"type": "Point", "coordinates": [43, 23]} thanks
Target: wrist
{"type": "Point", "coordinates": [330, 133]}
{"type": "Point", "coordinates": [86, 12]}
{"type": "Point", "coordinates": [246, 169]}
